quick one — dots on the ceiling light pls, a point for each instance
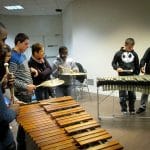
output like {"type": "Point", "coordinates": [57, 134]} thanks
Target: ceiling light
{"type": "Point", "coordinates": [15, 7]}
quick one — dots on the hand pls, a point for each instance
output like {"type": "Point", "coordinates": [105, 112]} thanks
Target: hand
{"type": "Point", "coordinates": [15, 107]}
{"type": "Point", "coordinates": [119, 70]}
{"type": "Point", "coordinates": [31, 88]}
{"type": "Point", "coordinates": [75, 70]}
{"type": "Point", "coordinates": [60, 68]}
{"type": "Point", "coordinates": [11, 79]}
{"type": "Point", "coordinates": [4, 81]}
{"type": "Point", "coordinates": [8, 80]}
{"type": "Point", "coordinates": [143, 70]}
{"type": "Point", "coordinates": [19, 102]}
{"type": "Point", "coordinates": [34, 71]}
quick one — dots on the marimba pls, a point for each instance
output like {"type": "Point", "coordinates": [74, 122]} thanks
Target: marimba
{"type": "Point", "coordinates": [139, 83]}
{"type": "Point", "coordinates": [61, 123]}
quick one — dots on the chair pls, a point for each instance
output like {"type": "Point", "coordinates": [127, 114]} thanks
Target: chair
{"type": "Point", "coordinates": [81, 83]}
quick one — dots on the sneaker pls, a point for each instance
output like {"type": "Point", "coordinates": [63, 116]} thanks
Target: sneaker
{"type": "Point", "coordinates": [132, 112]}
{"type": "Point", "coordinates": [124, 112]}
{"type": "Point", "coordinates": [140, 110]}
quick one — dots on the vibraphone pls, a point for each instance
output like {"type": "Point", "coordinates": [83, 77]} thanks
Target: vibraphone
{"type": "Point", "coordinates": [137, 83]}
{"type": "Point", "coordinates": [61, 123]}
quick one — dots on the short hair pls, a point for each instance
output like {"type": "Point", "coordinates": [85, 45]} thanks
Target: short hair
{"type": "Point", "coordinates": [129, 41]}
{"type": "Point", "coordinates": [36, 47]}
{"type": "Point", "coordinates": [20, 37]}
{"type": "Point", "coordinates": [62, 48]}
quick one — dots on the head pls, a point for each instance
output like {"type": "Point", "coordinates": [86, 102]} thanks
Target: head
{"type": "Point", "coordinates": [21, 42]}
{"type": "Point", "coordinates": [3, 33]}
{"type": "Point", "coordinates": [63, 52]}
{"type": "Point", "coordinates": [129, 44]}
{"type": "Point", "coordinates": [38, 51]}
{"type": "Point", "coordinates": [5, 55]}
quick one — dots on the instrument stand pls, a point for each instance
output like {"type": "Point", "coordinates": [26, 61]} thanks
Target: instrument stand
{"type": "Point", "coordinates": [114, 115]}
{"type": "Point", "coordinates": [100, 102]}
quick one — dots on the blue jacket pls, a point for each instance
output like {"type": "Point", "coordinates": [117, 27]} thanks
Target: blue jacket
{"type": "Point", "coordinates": [6, 116]}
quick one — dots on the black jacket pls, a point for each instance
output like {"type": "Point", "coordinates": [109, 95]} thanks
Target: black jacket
{"type": "Point", "coordinates": [145, 61]}
{"type": "Point", "coordinates": [127, 61]}
{"type": "Point", "coordinates": [44, 70]}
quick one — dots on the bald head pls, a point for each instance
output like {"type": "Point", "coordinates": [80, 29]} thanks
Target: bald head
{"type": "Point", "coordinates": [3, 33]}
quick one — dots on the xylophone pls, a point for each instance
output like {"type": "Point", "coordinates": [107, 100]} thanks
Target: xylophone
{"type": "Point", "coordinates": [137, 83]}
{"type": "Point", "coordinates": [61, 123]}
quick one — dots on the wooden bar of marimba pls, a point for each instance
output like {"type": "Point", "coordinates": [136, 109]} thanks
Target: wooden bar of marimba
{"type": "Point", "coordinates": [61, 123]}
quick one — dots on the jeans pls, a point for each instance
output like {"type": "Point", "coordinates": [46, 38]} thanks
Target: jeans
{"type": "Point", "coordinates": [7, 140]}
{"type": "Point", "coordinates": [42, 93]}
{"type": "Point", "coordinates": [63, 90]}
{"type": "Point", "coordinates": [144, 100]}
{"type": "Point", "coordinates": [21, 143]}
{"type": "Point", "coordinates": [127, 96]}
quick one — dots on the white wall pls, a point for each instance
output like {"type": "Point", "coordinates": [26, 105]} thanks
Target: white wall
{"type": "Point", "coordinates": [95, 29]}
{"type": "Point", "coordinates": [44, 29]}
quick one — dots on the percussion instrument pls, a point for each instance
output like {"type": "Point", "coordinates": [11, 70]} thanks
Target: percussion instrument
{"type": "Point", "coordinates": [137, 83]}
{"type": "Point", "coordinates": [51, 83]}
{"type": "Point", "coordinates": [74, 74]}
{"type": "Point", "coordinates": [61, 123]}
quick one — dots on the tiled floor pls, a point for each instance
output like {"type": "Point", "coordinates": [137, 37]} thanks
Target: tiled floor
{"type": "Point", "coordinates": [132, 132]}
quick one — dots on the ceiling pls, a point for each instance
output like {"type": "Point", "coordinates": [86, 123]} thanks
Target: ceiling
{"type": "Point", "coordinates": [34, 7]}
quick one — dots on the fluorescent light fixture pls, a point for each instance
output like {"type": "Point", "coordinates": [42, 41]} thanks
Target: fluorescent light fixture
{"type": "Point", "coordinates": [15, 7]}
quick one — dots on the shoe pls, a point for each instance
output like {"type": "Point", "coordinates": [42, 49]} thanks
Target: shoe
{"type": "Point", "coordinates": [140, 110]}
{"type": "Point", "coordinates": [132, 112]}
{"type": "Point", "coordinates": [124, 112]}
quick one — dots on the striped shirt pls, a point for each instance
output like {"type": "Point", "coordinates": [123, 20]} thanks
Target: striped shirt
{"type": "Point", "coordinates": [19, 67]}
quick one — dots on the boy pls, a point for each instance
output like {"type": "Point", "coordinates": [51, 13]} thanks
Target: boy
{"type": "Point", "coordinates": [126, 62]}
{"type": "Point", "coordinates": [63, 62]}
{"type": "Point", "coordinates": [43, 68]}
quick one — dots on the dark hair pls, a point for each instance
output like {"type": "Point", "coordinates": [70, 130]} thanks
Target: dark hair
{"type": "Point", "coordinates": [4, 49]}
{"type": "Point", "coordinates": [20, 37]}
{"type": "Point", "coordinates": [2, 31]}
{"type": "Point", "coordinates": [129, 41]}
{"type": "Point", "coordinates": [36, 47]}
{"type": "Point", "coordinates": [62, 48]}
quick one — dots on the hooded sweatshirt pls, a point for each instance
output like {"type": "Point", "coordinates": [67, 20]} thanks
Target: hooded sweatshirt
{"type": "Point", "coordinates": [127, 60]}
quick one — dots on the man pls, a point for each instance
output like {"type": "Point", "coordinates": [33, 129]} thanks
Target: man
{"type": "Point", "coordinates": [61, 65]}
{"type": "Point", "coordinates": [43, 68]}
{"type": "Point", "coordinates": [23, 81]}
{"type": "Point", "coordinates": [7, 115]}
{"type": "Point", "coordinates": [126, 62]}
{"type": "Point", "coordinates": [145, 68]}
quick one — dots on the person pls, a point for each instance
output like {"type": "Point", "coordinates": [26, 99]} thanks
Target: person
{"type": "Point", "coordinates": [19, 67]}
{"type": "Point", "coordinates": [61, 65]}
{"type": "Point", "coordinates": [145, 68]}
{"type": "Point", "coordinates": [7, 114]}
{"type": "Point", "coordinates": [126, 62]}
{"type": "Point", "coordinates": [23, 81]}
{"type": "Point", "coordinates": [43, 68]}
